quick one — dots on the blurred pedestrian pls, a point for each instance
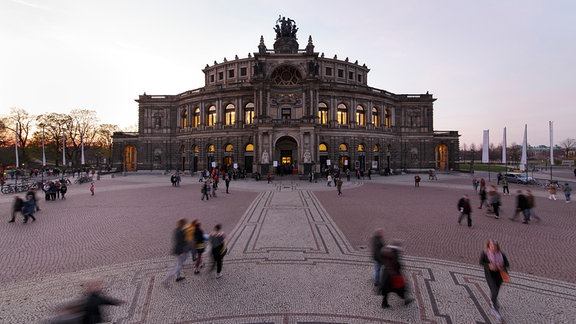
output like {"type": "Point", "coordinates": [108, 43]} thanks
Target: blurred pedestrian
{"type": "Point", "coordinates": [205, 190]}
{"type": "Point", "coordinates": [29, 208]}
{"type": "Point", "coordinates": [219, 249]}
{"type": "Point", "coordinates": [465, 209]}
{"type": "Point", "coordinates": [530, 204]}
{"type": "Point", "coordinates": [227, 182]}
{"type": "Point", "coordinates": [505, 189]}
{"type": "Point", "coordinates": [92, 188]}
{"type": "Point", "coordinates": [189, 237]}
{"type": "Point", "coordinates": [376, 245]}
{"type": "Point", "coordinates": [483, 196]}
{"type": "Point", "coordinates": [339, 186]}
{"type": "Point", "coordinates": [16, 208]}
{"type": "Point", "coordinates": [552, 191]}
{"type": "Point", "coordinates": [391, 278]}
{"type": "Point", "coordinates": [63, 191]}
{"type": "Point", "coordinates": [495, 266]}
{"type": "Point", "coordinates": [32, 192]}
{"type": "Point", "coordinates": [199, 245]}
{"type": "Point", "coordinates": [521, 207]}
{"type": "Point", "coordinates": [494, 201]}
{"type": "Point", "coordinates": [567, 191]}
{"type": "Point", "coordinates": [475, 184]}
{"type": "Point", "coordinates": [94, 300]}
{"type": "Point", "coordinates": [329, 181]}
{"type": "Point", "coordinates": [417, 181]}
{"type": "Point", "coordinates": [178, 249]}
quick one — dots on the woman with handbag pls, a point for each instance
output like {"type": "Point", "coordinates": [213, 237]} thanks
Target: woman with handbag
{"type": "Point", "coordinates": [391, 277]}
{"type": "Point", "coordinates": [495, 266]}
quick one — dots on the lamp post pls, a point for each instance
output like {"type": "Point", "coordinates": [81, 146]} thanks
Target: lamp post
{"type": "Point", "coordinates": [63, 149]}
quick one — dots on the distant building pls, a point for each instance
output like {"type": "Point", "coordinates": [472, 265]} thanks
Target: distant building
{"type": "Point", "coordinates": [286, 110]}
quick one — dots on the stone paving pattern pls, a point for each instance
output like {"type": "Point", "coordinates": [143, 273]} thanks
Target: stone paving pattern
{"type": "Point", "coordinates": [297, 253]}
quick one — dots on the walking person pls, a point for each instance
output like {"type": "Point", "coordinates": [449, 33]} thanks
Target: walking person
{"type": "Point", "coordinates": [465, 209]}
{"type": "Point", "coordinates": [552, 191]}
{"type": "Point", "coordinates": [505, 189]}
{"type": "Point", "coordinates": [32, 192]}
{"type": "Point", "coordinates": [495, 266]}
{"type": "Point", "coordinates": [417, 181]}
{"type": "Point", "coordinates": [92, 188]}
{"type": "Point", "coordinates": [205, 190]}
{"type": "Point", "coordinates": [94, 300]}
{"type": "Point", "coordinates": [521, 207]}
{"type": "Point", "coordinates": [530, 204]}
{"type": "Point", "coordinates": [227, 182]}
{"type": "Point", "coordinates": [178, 249]}
{"type": "Point", "coordinates": [329, 181]}
{"type": "Point", "coordinates": [219, 249]}
{"type": "Point", "coordinates": [339, 186]}
{"type": "Point", "coordinates": [199, 245]}
{"type": "Point", "coordinates": [29, 208]}
{"type": "Point", "coordinates": [189, 237]}
{"type": "Point", "coordinates": [391, 278]}
{"type": "Point", "coordinates": [16, 208]}
{"type": "Point", "coordinates": [567, 191]}
{"type": "Point", "coordinates": [376, 245]}
{"type": "Point", "coordinates": [63, 191]}
{"type": "Point", "coordinates": [475, 184]}
{"type": "Point", "coordinates": [494, 201]}
{"type": "Point", "coordinates": [482, 196]}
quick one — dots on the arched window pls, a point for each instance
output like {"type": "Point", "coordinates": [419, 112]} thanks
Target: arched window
{"type": "Point", "coordinates": [196, 149]}
{"type": "Point", "coordinates": [249, 113]}
{"type": "Point", "coordinates": [211, 116]}
{"type": "Point", "coordinates": [360, 147]}
{"type": "Point", "coordinates": [342, 114]}
{"type": "Point", "coordinates": [360, 116]}
{"type": "Point", "coordinates": [375, 117]}
{"type": "Point", "coordinates": [387, 118]}
{"type": "Point", "coordinates": [157, 120]}
{"type": "Point", "coordinates": [323, 113]}
{"type": "Point", "coordinates": [249, 147]}
{"type": "Point", "coordinates": [184, 117]}
{"type": "Point", "coordinates": [229, 148]}
{"type": "Point", "coordinates": [376, 148]}
{"type": "Point", "coordinates": [196, 120]}
{"type": "Point", "coordinates": [211, 148]}
{"type": "Point", "coordinates": [230, 115]}
{"type": "Point", "coordinates": [343, 147]}
{"type": "Point", "coordinates": [322, 147]}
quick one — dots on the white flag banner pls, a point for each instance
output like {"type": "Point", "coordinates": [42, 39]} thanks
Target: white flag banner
{"type": "Point", "coordinates": [551, 143]}
{"type": "Point", "coordinates": [504, 148]}
{"type": "Point", "coordinates": [524, 159]}
{"type": "Point", "coordinates": [43, 151]}
{"type": "Point", "coordinates": [16, 145]}
{"type": "Point", "coordinates": [485, 148]}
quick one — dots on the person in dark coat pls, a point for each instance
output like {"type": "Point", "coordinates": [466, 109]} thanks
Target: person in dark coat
{"type": "Point", "coordinates": [376, 245]}
{"type": "Point", "coordinates": [521, 207]}
{"type": "Point", "coordinates": [495, 264]}
{"type": "Point", "coordinates": [465, 209]}
{"type": "Point", "coordinates": [391, 277]}
{"type": "Point", "coordinates": [179, 250]}
{"type": "Point", "coordinates": [29, 208]}
{"type": "Point", "coordinates": [16, 208]}
{"type": "Point", "coordinates": [94, 300]}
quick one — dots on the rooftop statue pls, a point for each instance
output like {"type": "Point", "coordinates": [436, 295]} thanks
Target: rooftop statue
{"type": "Point", "coordinates": [285, 28]}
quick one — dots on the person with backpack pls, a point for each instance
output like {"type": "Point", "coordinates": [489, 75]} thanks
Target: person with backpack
{"type": "Point", "coordinates": [16, 208]}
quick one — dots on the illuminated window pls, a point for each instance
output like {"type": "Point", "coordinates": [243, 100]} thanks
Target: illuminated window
{"type": "Point", "coordinates": [211, 148]}
{"type": "Point", "coordinates": [375, 117]}
{"type": "Point", "coordinates": [323, 113]}
{"type": "Point", "coordinates": [184, 117]}
{"type": "Point", "coordinates": [196, 149]}
{"type": "Point", "coordinates": [322, 147]}
{"type": "Point", "coordinates": [230, 115]}
{"type": "Point", "coordinates": [249, 113]}
{"type": "Point", "coordinates": [360, 116]}
{"type": "Point", "coordinates": [249, 148]}
{"type": "Point", "coordinates": [376, 148]}
{"type": "Point", "coordinates": [360, 147]}
{"type": "Point", "coordinates": [343, 147]}
{"type": "Point", "coordinates": [211, 116]}
{"type": "Point", "coordinates": [229, 148]}
{"type": "Point", "coordinates": [342, 114]}
{"type": "Point", "coordinates": [387, 118]}
{"type": "Point", "coordinates": [196, 120]}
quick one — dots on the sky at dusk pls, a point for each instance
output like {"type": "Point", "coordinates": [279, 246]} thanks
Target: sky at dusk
{"type": "Point", "coordinates": [490, 64]}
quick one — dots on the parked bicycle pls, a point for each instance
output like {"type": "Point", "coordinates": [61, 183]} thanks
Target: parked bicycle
{"type": "Point", "coordinates": [83, 179]}
{"type": "Point", "coordinates": [20, 187]}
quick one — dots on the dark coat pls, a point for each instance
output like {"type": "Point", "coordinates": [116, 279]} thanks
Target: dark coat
{"type": "Point", "coordinates": [179, 241]}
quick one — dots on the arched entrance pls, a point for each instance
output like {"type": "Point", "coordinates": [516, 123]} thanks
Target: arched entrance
{"type": "Point", "coordinates": [286, 153]}
{"type": "Point", "coordinates": [441, 157]}
{"type": "Point", "coordinates": [129, 162]}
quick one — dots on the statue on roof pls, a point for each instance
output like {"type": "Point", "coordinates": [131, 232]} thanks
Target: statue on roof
{"type": "Point", "coordinates": [285, 28]}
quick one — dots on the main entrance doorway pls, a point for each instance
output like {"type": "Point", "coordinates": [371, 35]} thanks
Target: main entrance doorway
{"type": "Point", "coordinates": [286, 151]}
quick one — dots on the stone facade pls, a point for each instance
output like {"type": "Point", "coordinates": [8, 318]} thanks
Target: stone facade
{"type": "Point", "coordinates": [290, 110]}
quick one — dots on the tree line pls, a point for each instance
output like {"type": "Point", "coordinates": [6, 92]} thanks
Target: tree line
{"type": "Point", "coordinates": [564, 150]}
{"type": "Point", "coordinates": [56, 130]}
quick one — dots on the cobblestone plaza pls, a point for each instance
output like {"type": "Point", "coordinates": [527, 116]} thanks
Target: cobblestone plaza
{"type": "Point", "coordinates": [297, 253]}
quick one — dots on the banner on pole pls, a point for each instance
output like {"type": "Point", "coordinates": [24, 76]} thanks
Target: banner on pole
{"type": "Point", "coordinates": [485, 148]}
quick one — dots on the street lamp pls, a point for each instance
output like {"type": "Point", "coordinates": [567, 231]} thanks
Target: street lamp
{"type": "Point", "coordinates": [63, 149]}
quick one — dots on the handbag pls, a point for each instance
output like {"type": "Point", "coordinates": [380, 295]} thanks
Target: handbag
{"type": "Point", "coordinates": [505, 276]}
{"type": "Point", "coordinates": [397, 281]}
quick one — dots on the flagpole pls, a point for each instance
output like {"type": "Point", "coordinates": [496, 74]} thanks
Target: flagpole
{"type": "Point", "coordinates": [17, 158]}
{"type": "Point", "coordinates": [43, 155]}
{"type": "Point", "coordinates": [551, 124]}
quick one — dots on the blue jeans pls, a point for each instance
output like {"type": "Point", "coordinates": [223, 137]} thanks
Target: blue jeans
{"type": "Point", "coordinates": [180, 259]}
{"type": "Point", "coordinates": [377, 267]}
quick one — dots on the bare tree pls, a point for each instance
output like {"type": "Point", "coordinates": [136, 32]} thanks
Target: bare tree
{"type": "Point", "coordinates": [20, 122]}
{"type": "Point", "coordinates": [568, 145]}
{"type": "Point", "coordinates": [104, 138]}
{"type": "Point", "coordinates": [53, 126]}
{"type": "Point", "coordinates": [83, 129]}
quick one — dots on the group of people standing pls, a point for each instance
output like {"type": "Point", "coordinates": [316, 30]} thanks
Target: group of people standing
{"type": "Point", "coordinates": [189, 239]}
